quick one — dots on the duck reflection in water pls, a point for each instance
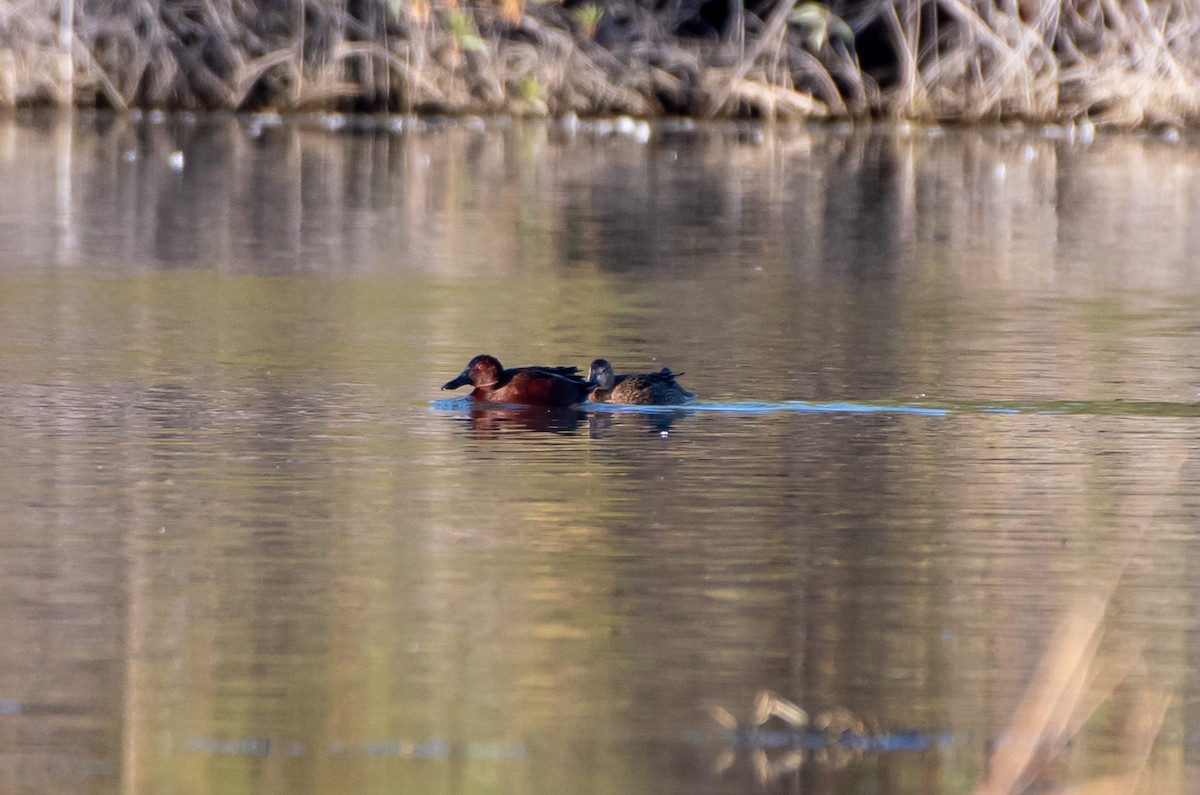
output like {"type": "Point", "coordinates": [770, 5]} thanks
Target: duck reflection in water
{"type": "Point", "coordinates": [490, 421]}
{"type": "Point", "coordinates": [602, 423]}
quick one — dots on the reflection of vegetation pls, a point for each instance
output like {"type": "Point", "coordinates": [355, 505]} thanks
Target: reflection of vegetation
{"type": "Point", "coordinates": [340, 563]}
{"type": "Point", "coordinates": [1073, 682]}
{"type": "Point", "coordinates": [833, 738]}
{"type": "Point", "coordinates": [1125, 64]}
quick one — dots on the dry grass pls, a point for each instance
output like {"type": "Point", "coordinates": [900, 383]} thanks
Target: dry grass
{"type": "Point", "coordinates": [1118, 62]}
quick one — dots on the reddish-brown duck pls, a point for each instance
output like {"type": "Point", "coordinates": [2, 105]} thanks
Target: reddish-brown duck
{"type": "Point", "coordinates": [531, 386]}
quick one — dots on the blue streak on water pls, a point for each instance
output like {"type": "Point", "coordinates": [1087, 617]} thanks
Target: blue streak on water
{"type": "Point", "coordinates": [812, 740]}
{"type": "Point", "coordinates": [801, 406]}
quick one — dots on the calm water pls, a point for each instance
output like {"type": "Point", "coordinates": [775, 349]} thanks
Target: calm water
{"type": "Point", "coordinates": [948, 394]}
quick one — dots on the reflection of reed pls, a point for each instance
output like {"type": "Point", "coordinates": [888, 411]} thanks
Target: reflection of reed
{"type": "Point", "coordinates": [1074, 680]}
{"type": "Point", "coordinates": [1071, 683]}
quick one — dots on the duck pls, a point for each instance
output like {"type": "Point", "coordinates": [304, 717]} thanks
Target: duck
{"type": "Point", "coordinates": [533, 385]}
{"type": "Point", "coordinates": [643, 389]}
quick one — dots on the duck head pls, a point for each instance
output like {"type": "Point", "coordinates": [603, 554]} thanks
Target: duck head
{"type": "Point", "coordinates": [483, 370]}
{"type": "Point", "coordinates": [600, 372]}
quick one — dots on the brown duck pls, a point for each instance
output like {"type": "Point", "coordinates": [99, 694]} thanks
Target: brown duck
{"type": "Point", "coordinates": [643, 389]}
{"type": "Point", "coordinates": [531, 386]}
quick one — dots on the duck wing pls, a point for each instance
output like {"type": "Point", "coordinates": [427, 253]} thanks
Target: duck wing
{"type": "Point", "coordinates": [663, 376]}
{"type": "Point", "coordinates": [565, 371]}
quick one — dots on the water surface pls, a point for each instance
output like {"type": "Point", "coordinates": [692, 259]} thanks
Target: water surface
{"type": "Point", "coordinates": [948, 394]}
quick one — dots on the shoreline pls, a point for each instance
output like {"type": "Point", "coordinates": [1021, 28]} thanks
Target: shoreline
{"type": "Point", "coordinates": [636, 129]}
{"type": "Point", "coordinates": [1125, 68]}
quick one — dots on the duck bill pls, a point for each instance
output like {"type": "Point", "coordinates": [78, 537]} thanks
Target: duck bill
{"type": "Point", "coordinates": [462, 380]}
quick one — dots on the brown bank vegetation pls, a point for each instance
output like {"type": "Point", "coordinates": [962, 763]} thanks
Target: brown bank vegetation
{"type": "Point", "coordinates": [1119, 62]}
